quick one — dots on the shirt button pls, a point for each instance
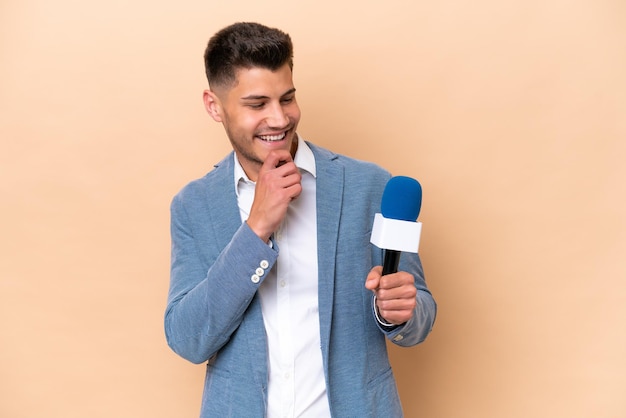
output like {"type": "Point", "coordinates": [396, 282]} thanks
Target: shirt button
{"type": "Point", "coordinates": [398, 337]}
{"type": "Point", "coordinates": [260, 272]}
{"type": "Point", "coordinates": [255, 278]}
{"type": "Point", "coordinates": [264, 264]}
{"type": "Point", "coordinates": [282, 283]}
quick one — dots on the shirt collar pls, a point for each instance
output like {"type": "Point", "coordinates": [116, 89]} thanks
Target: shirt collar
{"type": "Point", "coordinates": [304, 160]}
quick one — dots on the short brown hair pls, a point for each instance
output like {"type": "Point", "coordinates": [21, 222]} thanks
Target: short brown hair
{"type": "Point", "coordinates": [245, 45]}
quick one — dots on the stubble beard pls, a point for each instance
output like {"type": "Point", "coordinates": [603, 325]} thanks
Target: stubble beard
{"type": "Point", "coordinates": [249, 155]}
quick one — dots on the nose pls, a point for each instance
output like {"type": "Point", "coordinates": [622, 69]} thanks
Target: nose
{"type": "Point", "coordinates": [277, 117]}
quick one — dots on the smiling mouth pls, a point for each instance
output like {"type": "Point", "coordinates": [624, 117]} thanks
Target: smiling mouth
{"type": "Point", "coordinates": [273, 138]}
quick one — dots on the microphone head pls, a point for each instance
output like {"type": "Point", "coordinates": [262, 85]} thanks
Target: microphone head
{"type": "Point", "coordinates": [402, 199]}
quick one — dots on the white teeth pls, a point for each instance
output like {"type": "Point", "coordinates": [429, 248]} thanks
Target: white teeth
{"type": "Point", "coordinates": [272, 137]}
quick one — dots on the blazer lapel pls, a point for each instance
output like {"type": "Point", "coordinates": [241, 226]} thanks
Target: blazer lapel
{"type": "Point", "coordinates": [222, 201]}
{"type": "Point", "coordinates": [330, 185]}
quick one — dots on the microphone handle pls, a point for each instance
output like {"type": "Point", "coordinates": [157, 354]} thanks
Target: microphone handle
{"type": "Point", "coordinates": [391, 261]}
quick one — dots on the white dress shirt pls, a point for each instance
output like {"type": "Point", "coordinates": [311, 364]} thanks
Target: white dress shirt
{"type": "Point", "coordinates": [289, 300]}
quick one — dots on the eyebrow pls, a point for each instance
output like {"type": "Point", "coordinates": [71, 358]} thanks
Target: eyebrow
{"type": "Point", "coordinates": [260, 97]}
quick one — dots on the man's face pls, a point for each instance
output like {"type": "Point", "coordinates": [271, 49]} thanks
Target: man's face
{"type": "Point", "coordinates": [259, 114]}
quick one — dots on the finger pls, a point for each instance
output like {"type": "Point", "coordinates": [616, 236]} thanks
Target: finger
{"type": "Point", "coordinates": [396, 311]}
{"type": "Point", "coordinates": [399, 279]}
{"type": "Point", "coordinates": [371, 283]}
{"type": "Point", "coordinates": [373, 279]}
{"type": "Point", "coordinates": [294, 190]}
{"type": "Point", "coordinates": [390, 305]}
{"type": "Point", "coordinates": [407, 292]}
{"type": "Point", "coordinates": [282, 181]}
{"type": "Point", "coordinates": [277, 158]}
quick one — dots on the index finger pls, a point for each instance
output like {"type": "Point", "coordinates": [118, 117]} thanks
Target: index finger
{"type": "Point", "coordinates": [277, 158]}
{"type": "Point", "coordinates": [394, 280]}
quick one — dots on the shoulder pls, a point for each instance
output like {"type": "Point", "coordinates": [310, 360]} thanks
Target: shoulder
{"type": "Point", "coordinates": [215, 181]}
{"type": "Point", "coordinates": [354, 169]}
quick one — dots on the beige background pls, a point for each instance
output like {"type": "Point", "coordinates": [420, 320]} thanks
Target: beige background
{"type": "Point", "coordinates": [510, 113]}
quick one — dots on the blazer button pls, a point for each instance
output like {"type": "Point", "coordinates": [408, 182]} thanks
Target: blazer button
{"type": "Point", "coordinates": [255, 278]}
{"type": "Point", "coordinates": [264, 264]}
{"type": "Point", "coordinates": [260, 272]}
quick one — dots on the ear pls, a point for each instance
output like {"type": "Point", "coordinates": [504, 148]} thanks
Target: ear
{"type": "Point", "coordinates": [212, 105]}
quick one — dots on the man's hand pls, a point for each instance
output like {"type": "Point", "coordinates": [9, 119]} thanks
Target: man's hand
{"type": "Point", "coordinates": [395, 294]}
{"type": "Point", "coordinates": [277, 185]}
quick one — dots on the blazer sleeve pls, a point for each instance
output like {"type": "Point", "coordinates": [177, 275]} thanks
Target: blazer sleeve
{"type": "Point", "coordinates": [206, 304]}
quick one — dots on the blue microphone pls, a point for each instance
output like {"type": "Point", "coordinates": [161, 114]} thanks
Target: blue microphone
{"type": "Point", "coordinates": [396, 229]}
{"type": "Point", "coordinates": [402, 199]}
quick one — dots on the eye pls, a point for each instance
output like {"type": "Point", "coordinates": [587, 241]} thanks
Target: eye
{"type": "Point", "coordinates": [256, 105]}
{"type": "Point", "coordinates": [287, 100]}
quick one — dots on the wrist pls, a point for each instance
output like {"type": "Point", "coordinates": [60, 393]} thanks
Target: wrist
{"type": "Point", "coordinates": [263, 233]}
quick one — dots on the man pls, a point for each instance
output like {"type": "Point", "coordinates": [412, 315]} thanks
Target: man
{"type": "Point", "coordinates": [273, 280]}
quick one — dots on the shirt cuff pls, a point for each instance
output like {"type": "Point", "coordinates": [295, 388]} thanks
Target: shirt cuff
{"type": "Point", "coordinates": [378, 317]}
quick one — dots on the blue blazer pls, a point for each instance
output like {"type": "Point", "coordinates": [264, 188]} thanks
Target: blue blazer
{"type": "Point", "coordinates": [214, 315]}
